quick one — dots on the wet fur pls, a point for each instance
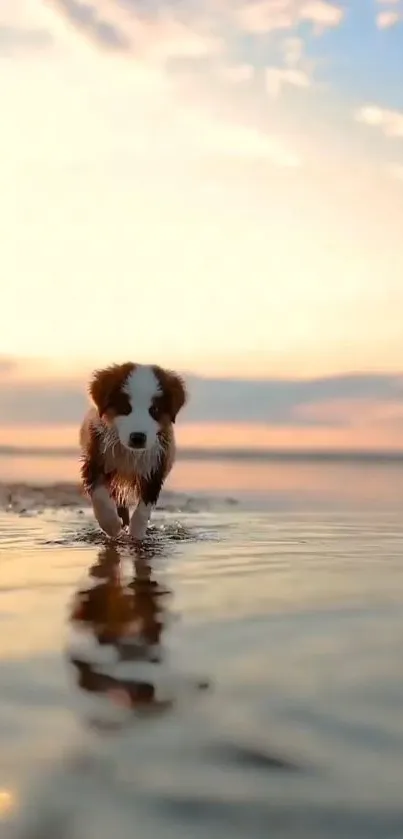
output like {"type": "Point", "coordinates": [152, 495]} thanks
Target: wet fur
{"type": "Point", "coordinates": [113, 475]}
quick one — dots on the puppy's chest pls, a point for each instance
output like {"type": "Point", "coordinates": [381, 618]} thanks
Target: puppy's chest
{"type": "Point", "coordinates": [128, 465]}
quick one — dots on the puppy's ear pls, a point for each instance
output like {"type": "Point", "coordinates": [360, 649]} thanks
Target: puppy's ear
{"type": "Point", "coordinates": [105, 383]}
{"type": "Point", "coordinates": [177, 395]}
{"type": "Point", "coordinates": [100, 389]}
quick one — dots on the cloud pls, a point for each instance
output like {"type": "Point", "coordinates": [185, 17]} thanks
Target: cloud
{"type": "Point", "coordinates": [238, 73]}
{"type": "Point", "coordinates": [277, 77]}
{"type": "Point", "coordinates": [92, 23]}
{"type": "Point", "coordinates": [390, 122]}
{"type": "Point", "coordinates": [166, 31]}
{"type": "Point", "coordinates": [24, 39]}
{"type": "Point", "coordinates": [238, 141]}
{"type": "Point", "coordinates": [265, 16]}
{"type": "Point", "coordinates": [158, 36]}
{"type": "Point", "coordinates": [41, 403]}
{"type": "Point", "coordinates": [7, 364]}
{"type": "Point", "coordinates": [295, 70]}
{"type": "Point", "coordinates": [385, 20]}
{"type": "Point", "coordinates": [281, 401]}
{"type": "Point", "coordinates": [114, 183]}
{"type": "Point", "coordinates": [395, 170]}
{"type": "Point", "coordinates": [270, 15]}
{"type": "Point", "coordinates": [169, 114]}
{"type": "Point", "coordinates": [293, 51]}
{"type": "Point", "coordinates": [332, 401]}
{"type": "Point", "coordinates": [322, 14]}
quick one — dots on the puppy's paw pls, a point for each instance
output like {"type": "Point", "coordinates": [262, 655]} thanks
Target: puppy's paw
{"type": "Point", "coordinates": [105, 512]}
{"type": "Point", "coordinates": [139, 521]}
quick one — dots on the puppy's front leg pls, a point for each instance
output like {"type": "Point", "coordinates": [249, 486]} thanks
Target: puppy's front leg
{"type": "Point", "coordinates": [105, 511]}
{"type": "Point", "coordinates": [139, 520]}
{"type": "Point", "coordinates": [148, 490]}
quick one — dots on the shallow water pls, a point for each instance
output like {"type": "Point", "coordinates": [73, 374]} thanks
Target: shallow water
{"type": "Point", "coordinates": [241, 675]}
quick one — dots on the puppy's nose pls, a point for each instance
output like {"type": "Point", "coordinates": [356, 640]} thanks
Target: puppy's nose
{"type": "Point", "coordinates": [137, 440]}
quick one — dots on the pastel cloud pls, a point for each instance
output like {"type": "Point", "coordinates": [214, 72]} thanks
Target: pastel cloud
{"type": "Point", "coordinates": [318, 402]}
{"type": "Point", "coordinates": [277, 77]}
{"type": "Point", "coordinates": [390, 122]}
{"type": "Point", "coordinates": [294, 71]}
{"type": "Point", "coordinates": [157, 36]}
{"type": "Point", "coordinates": [169, 30]}
{"type": "Point", "coordinates": [23, 38]}
{"type": "Point", "coordinates": [396, 171]}
{"type": "Point", "coordinates": [242, 142]}
{"type": "Point", "coordinates": [387, 19]}
{"type": "Point", "coordinates": [40, 407]}
{"type": "Point", "coordinates": [152, 39]}
{"type": "Point", "coordinates": [322, 14]}
{"type": "Point", "coordinates": [333, 400]}
{"type": "Point", "coordinates": [155, 159]}
{"type": "Point", "coordinates": [293, 50]}
{"type": "Point", "coordinates": [390, 15]}
{"type": "Point", "coordinates": [267, 16]}
{"type": "Point", "coordinates": [238, 73]}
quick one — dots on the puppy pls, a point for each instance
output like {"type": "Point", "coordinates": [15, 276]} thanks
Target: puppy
{"type": "Point", "coordinates": [127, 442]}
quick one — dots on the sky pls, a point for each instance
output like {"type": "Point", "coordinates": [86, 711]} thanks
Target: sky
{"type": "Point", "coordinates": [217, 187]}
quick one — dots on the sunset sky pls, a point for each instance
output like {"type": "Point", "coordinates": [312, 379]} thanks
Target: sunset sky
{"type": "Point", "coordinates": [216, 186]}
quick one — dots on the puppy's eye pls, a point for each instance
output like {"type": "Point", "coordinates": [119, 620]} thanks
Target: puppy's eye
{"type": "Point", "coordinates": [118, 404]}
{"type": "Point", "coordinates": [155, 412]}
{"type": "Point", "coordinates": [125, 408]}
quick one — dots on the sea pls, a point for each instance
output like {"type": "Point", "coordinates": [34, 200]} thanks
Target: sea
{"type": "Point", "coordinates": [240, 674]}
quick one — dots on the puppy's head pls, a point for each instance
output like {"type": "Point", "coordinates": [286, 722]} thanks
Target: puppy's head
{"type": "Point", "coordinates": [139, 401]}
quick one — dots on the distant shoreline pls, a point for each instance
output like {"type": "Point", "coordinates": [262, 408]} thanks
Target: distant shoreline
{"type": "Point", "coordinates": [248, 455]}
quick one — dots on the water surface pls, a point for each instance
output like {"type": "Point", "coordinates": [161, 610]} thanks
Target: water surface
{"type": "Point", "coordinates": [241, 675]}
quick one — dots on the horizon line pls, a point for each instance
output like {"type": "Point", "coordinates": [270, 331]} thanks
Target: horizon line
{"type": "Point", "coordinates": [297, 455]}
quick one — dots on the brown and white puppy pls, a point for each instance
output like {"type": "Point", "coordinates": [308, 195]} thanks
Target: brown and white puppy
{"type": "Point", "coordinates": [127, 442]}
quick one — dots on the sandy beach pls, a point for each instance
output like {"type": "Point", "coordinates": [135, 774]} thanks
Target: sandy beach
{"type": "Point", "coordinates": [238, 675]}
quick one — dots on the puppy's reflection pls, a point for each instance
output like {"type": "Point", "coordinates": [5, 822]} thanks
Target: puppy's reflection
{"type": "Point", "coordinates": [117, 628]}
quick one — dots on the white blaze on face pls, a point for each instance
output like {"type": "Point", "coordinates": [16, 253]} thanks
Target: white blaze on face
{"type": "Point", "coordinates": [142, 386]}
